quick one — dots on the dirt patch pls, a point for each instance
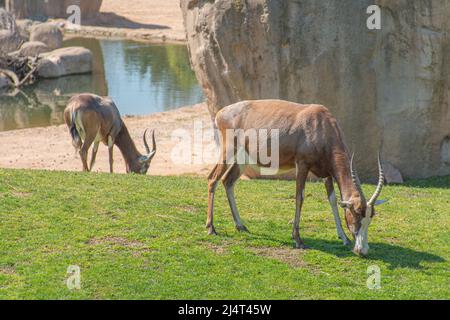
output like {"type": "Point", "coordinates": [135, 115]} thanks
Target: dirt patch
{"type": "Point", "coordinates": [219, 249]}
{"type": "Point", "coordinates": [187, 208]}
{"type": "Point", "coordinates": [285, 255]}
{"type": "Point", "coordinates": [115, 241]}
{"type": "Point", "coordinates": [8, 270]}
{"type": "Point", "coordinates": [19, 194]}
{"type": "Point", "coordinates": [159, 20]}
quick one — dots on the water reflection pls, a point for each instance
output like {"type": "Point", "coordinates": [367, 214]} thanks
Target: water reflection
{"type": "Point", "coordinates": [142, 78]}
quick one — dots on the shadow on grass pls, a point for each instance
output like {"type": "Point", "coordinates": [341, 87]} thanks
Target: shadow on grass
{"type": "Point", "coordinates": [436, 182]}
{"type": "Point", "coordinates": [395, 256]}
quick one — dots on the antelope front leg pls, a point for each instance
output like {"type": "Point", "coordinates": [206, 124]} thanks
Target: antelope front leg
{"type": "Point", "coordinates": [302, 173]}
{"type": "Point", "coordinates": [334, 207]}
{"type": "Point", "coordinates": [110, 152]}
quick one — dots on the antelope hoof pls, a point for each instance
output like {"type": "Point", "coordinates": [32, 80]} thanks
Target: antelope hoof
{"type": "Point", "coordinates": [212, 231]}
{"type": "Point", "coordinates": [347, 242]}
{"type": "Point", "coordinates": [242, 229]}
{"type": "Point", "coordinates": [300, 246]}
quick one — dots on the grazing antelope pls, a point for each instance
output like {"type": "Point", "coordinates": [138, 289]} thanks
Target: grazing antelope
{"type": "Point", "coordinates": [309, 140]}
{"type": "Point", "coordinates": [95, 119]}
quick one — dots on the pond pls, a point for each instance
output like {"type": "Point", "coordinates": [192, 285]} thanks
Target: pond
{"type": "Point", "coordinates": [141, 78]}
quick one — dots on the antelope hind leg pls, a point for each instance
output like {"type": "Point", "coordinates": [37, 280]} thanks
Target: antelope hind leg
{"type": "Point", "coordinates": [229, 180]}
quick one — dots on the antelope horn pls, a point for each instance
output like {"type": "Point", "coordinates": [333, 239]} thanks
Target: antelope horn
{"type": "Point", "coordinates": [355, 179]}
{"type": "Point", "coordinates": [147, 148]}
{"type": "Point", "coordinates": [380, 183]}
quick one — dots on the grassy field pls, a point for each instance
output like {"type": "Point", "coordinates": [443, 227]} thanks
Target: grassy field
{"type": "Point", "coordinates": [144, 237]}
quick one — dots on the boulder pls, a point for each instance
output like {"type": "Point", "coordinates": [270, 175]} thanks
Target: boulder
{"type": "Point", "coordinates": [48, 33]}
{"type": "Point", "coordinates": [388, 88]}
{"type": "Point", "coordinates": [392, 174]}
{"type": "Point", "coordinates": [43, 9]}
{"type": "Point", "coordinates": [32, 49]}
{"type": "Point", "coordinates": [5, 82]}
{"type": "Point", "coordinates": [9, 35]}
{"type": "Point", "coordinates": [64, 61]}
{"type": "Point", "coordinates": [24, 28]}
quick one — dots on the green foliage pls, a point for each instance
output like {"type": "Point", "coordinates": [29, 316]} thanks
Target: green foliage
{"type": "Point", "coordinates": [143, 237]}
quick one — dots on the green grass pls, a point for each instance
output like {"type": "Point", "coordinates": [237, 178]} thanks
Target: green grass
{"type": "Point", "coordinates": [143, 237]}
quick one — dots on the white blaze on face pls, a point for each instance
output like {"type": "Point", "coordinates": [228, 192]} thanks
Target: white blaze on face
{"type": "Point", "coordinates": [362, 238]}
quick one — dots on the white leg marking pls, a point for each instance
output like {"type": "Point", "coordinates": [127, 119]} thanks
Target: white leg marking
{"type": "Point", "coordinates": [333, 203]}
{"type": "Point", "coordinates": [362, 238]}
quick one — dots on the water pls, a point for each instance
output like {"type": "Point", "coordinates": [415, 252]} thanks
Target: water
{"type": "Point", "coordinates": [141, 78]}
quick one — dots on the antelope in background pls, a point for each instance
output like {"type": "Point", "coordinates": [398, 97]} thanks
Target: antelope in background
{"type": "Point", "coordinates": [310, 140]}
{"type": "Point", "coordinates": [92, 119]}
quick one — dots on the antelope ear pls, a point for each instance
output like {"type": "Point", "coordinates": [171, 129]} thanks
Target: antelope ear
{"type": "Point", "coordinates": [150, 156]}
{"type": "Point", "coordinates": [346, 204]}
{"type": "Point", "coordinates": [380, 202]}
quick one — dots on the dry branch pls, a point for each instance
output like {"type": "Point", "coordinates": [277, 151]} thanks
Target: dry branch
{"type": "Point", "coordinates": [21, 70]}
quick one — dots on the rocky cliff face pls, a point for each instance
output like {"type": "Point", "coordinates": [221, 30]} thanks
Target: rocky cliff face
{"type": "Point", "coordinates": [9, 35]}
{"type": "Point", "coordinates": [389, 88]}
{"type": "Point", "coordinates": [51, 8]}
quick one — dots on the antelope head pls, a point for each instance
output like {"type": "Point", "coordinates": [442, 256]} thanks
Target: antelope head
{"type": "Point", "coordinates": [359, 212]}
{"type": "Point", "coordinates": [145, 160]}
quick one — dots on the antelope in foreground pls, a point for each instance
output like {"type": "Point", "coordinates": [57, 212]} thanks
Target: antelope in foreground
{"type": "Point", "coordinates": [93, 119]}
{"type": "Point", "coordinates": [310, 140]}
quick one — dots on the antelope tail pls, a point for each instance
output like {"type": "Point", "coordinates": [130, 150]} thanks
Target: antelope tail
{"type": "Point", "coordinates": [76, 139]}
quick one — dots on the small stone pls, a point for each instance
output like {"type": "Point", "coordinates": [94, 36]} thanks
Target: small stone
{"type": "Point", "coordinates": [48, 33]}
{"type": "Point", "coordinates": [392, 174]}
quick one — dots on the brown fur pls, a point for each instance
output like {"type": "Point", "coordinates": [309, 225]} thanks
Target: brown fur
{"type": "Point", "coordinates": [310, 139]}
{"type": "Point", "coordinates": [101, 118]}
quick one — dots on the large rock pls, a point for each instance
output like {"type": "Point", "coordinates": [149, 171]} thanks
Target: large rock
{"type": "Point", "coordinates": [389, 88]}
{"type": "Point", "coordinates": [5, 82]}
{"type": "Point", "coordinates": [32, 49]}
{"type": "Point", "coordinates": [65, 61]}
{"type": "Point", "coordinates": [24, 27]}
{"type": "Point", "coordinates": [9, 36]}
{"type": "Point", "coordinates": [42, 9]}
{"type": "Point", "coordinates": [48, 33]}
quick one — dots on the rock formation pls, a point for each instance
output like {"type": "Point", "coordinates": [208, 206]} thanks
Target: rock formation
{"type": "Point", "coordinates": [9, 35]}
{"type": "Point", "coordinates": [48, 33]}
{"type": "Point", "coordinates": [32, 49]}
{"type": "Point", "coordinates": [41, 9]}
{"type": "Point", "coordinates": [388, 88]}
{"type": "Point", "coordinates": [64, 61]}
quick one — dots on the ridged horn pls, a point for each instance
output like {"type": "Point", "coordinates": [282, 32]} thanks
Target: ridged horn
{"type": "Point", "coordinates": [377, 193]}
{"type": "Point", "coordinates": [355, 178]}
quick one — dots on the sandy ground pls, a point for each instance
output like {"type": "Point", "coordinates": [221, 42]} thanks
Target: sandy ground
{"type": "Point", "coordinates": [145, 19]}
{"type": "Point", "coordinates": [51, 149]}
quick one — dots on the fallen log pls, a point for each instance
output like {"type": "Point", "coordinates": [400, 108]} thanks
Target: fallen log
{"type": "Point", "coordinates": [21, 70]}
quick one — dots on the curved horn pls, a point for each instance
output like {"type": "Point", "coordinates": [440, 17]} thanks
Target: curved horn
{"type": "Point", "coordinates": [380, 183]}
{"type": "Point", "coordinates": [150, 153]}
{"type": "Point", "coordinates": [355, 179]}
{"type": "Point", "coordinates": [153, 141]}
{"type": "Point", "coordinates": [147, 148]}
